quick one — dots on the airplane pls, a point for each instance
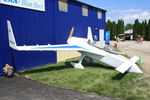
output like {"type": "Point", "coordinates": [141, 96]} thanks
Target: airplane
{"type": "Point", "coordinates": [86, 47]}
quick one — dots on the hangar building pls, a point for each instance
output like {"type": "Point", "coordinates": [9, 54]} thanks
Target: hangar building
{"type": "Point", "coordinates": [44, 22]}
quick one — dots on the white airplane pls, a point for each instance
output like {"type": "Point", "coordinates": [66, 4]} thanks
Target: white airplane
{"type": "Point", "coordinates": [86, 47]}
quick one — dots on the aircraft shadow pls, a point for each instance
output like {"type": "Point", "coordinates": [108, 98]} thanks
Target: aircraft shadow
{"type": "Point", "coordinates": [119, 76]}
{"type": "Point", "coordinates": [66, 66]}
{"type": "Point", "coordinates": [97, 65]}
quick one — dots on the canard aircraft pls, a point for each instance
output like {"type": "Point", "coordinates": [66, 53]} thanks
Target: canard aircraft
{"type": "Point", "coordinates": [86, 47]}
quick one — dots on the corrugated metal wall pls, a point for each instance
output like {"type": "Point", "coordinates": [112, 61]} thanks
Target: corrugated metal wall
{"type": "Point", "coordinates": [34, 27]}
{"type": "Point", "coordinates": [65, 20]}
{"type": "Point", "coordinates": [30, 27]}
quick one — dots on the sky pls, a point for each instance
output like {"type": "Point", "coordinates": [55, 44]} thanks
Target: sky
{"type": "Point", "coordinates": [128, 10]}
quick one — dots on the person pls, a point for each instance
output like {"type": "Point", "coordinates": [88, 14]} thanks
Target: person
{"type": "Point", "coordinates": [138, 39]}
{"type": "Point", "coordinates": [141, 39]}
{"type": "Point", "coordinates": [117, 39]}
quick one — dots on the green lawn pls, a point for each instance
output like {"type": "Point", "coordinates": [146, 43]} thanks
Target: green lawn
{"type": "Point", "coordinates": [96, 78]}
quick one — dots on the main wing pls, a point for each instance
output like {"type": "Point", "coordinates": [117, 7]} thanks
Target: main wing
{"type": "Point", "coordinates": [12, 44]}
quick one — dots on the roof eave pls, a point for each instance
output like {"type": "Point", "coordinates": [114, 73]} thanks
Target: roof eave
{"type": "Point", "coordinates": [91, 5]}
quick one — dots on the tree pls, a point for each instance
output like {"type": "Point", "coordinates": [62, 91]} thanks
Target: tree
{"type": "Point", "coordinates": [128, 26]}
{"type": "Point", "coordinates": [147, 35]}
{"type": "Point", "coordinates": [142, 28]}
{"type": "Point", "coordinates": [111, 26]}
{"type": "Point", "coordinates": [145, 27]}
{"type": "Point", "coordinates": [120, 27]}
{"type": "Point", "coordinates": [136, 28]}
{"type": "Point", "coordinates": [108, 25]}
{"type": "Point", "coordinates": [113, 29]}
{"type": "Point", "coordinates": [108, 28]}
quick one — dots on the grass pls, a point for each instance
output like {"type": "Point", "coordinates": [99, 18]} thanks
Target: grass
{"type": "Point", "coordinates": [95, 78]}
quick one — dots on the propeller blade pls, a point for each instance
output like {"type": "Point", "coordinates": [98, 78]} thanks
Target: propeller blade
{"type": "Point", "coordinates": [71, 32]}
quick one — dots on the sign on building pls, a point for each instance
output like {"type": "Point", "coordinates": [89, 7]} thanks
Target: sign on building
{"type": "Point", "coordinates": [29, 4]}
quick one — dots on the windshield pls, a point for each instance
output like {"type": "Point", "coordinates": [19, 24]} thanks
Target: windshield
{"type": "Point", "coordinates": [107, 48]}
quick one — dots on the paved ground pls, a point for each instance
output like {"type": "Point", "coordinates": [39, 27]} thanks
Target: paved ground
{"type": "Point", "coordinates": [19, 88]}
{"type": "Point", "coordinates": [131, 48]}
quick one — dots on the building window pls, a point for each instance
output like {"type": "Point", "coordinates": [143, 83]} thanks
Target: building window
{"type": "Point", "coordinates": [63, 5]}
{"type": "Point", "coordinates": [99, 14]}
{"type": "Point", "coordinates": [84, 10]}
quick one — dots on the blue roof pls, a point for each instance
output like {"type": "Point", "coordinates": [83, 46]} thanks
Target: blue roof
{"type": "Point", "coordinates": [90, 5]}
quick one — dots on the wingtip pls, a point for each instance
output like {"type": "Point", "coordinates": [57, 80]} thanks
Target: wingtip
{"type": "Point", "coordinates": [134, 68]}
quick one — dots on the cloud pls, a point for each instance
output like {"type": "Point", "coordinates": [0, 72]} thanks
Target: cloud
{"type": "Point", "coordinates": [109, 18]}
{"type": "Point", "coordinates": [128, 15]}
{"type": "Point", "coordinates": [127, 10]}
{"type": "Point", "coordinates": [142, 15]}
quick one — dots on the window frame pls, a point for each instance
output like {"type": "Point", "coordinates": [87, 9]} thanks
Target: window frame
{"type": "Point", "coordinates": [85, 10]}
{"type": "Point", "coordinates": [99, 14]}
{"type": "Point", "coordinates": [63, 5]}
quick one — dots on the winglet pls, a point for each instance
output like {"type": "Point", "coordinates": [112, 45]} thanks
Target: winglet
{"type": "Point", "coordinates": [134, 59]}
{"type": "Point", "coordinates": [71, 32]}
{"type": "Point", "coordinates": [124, 67]}
{"type": "Point", "coordinates": [12, 42]}
{"type": "Point", "coordinates": [134, 67]}
{"type": "Point", "coordinates": [89, 35]}
{"type": "Point", "coordinates": [129, 66]}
